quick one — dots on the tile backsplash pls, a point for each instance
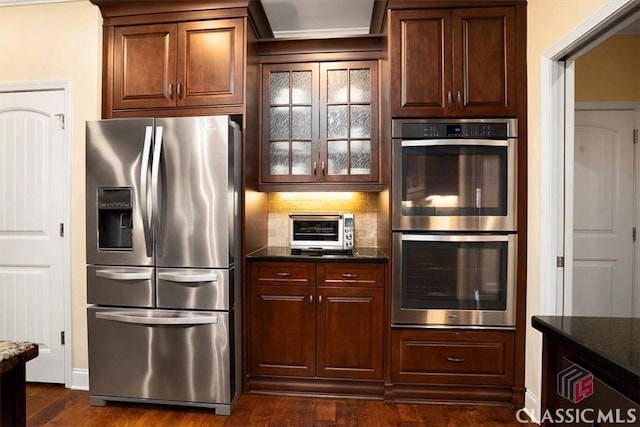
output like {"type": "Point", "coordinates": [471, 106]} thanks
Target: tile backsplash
{"type": "Point", "coordinates": [362, 205]}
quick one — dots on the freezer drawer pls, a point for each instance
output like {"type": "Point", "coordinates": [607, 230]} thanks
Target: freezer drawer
{"type": "Point", "coordinates": [161, 356]}
{"type": "Point", "coordinates": [195, 289]}
{"type": "Point", "coordinates": [120, 286]}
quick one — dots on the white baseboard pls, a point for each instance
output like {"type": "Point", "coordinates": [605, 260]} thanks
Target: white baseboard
{"type": "Point", "coordinates": [532, 406]}
{"type": "Point", "coordinates": [80, 379]}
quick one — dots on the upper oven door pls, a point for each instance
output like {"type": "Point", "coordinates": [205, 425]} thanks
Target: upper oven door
{"type": "Point", "coordinates": [454, 184]}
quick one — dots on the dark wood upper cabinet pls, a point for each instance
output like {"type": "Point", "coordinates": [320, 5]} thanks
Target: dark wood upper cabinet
{"type": "Point", "coordinates": [186, 64]}
{"type": "Point", "coordinates": [453, 62]}
{"type": "Point", "coordinates": [320, 122]}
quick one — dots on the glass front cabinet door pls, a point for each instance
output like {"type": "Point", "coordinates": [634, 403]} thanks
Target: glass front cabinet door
{"type": "Point", "coordinates": [320, 122]}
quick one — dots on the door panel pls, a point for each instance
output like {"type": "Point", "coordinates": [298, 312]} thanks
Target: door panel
{"type": "Point", "coordinates": [350, 331]}
{"type": "Point", "coordinates": [210, 62]}
{"type": "Point", "coordinates": [144, 66]}
{"type": "Point", "coordinates": [160, 355]}
{"type": "Point", "coordinates": [422, 47]}
{"type": "Point", "coordinates": [32, 252]}
{"type": "Point", "coordinates": [195, 193]}
{"type": "Point", "coordinates": [282, 326]}
{"type": "Point", "coordinates": [114, 161]}
{"type": "Point", "coordinates": [603, 214]}
{"type": "Point", "coordinates": [484, 61]}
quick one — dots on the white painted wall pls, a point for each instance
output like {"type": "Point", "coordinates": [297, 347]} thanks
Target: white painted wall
{"type": "Point", "coordinates": [52, 42]}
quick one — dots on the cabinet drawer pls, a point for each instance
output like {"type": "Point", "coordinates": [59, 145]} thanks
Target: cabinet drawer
{"type": "Point", "coordinates": [281, 273]}
{"type": "Point", "coordinates": [350, 274]}
{"type": "Point", "coordinates": [469, 357]}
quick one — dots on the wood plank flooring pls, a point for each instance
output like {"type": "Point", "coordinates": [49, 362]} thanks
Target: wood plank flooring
{"type": "Point", "coordinates": [53, 405]}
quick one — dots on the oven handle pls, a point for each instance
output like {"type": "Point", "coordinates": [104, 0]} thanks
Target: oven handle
{"type": "Point", "coordinates": [457, 238]}
{"type": "Point", "coordinates": [136, 318]}
{"type": "Point", "coordinates": [454, 142]}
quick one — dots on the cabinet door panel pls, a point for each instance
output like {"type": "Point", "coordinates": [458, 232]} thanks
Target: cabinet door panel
{"type": "Point", "coordinates": [349, 121]}
{"type": "Point", "coordinates": [350, 333]}
{"type": "Point", "coordinates": [421, 70]}
{"type": "Point", "coordinates": [290, 123]}
{"type": "Point", "coordinates": [144, 66]}
{"type": "Point", "coordinates": [484, 58]}
{"type": "Point", "coordinates": [282, 330]}
{"type": "Point", "coordinates": [210, 62]}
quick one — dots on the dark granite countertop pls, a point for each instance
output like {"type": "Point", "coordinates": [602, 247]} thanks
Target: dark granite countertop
{"type": "Point", "coordinates": [14, 352]}
{"type": "Point", "coordinates": [615, 341]}
{"type": "Point", "coordinates": [283, 253]}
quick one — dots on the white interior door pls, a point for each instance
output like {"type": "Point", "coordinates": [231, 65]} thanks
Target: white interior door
{"type": "Point", "coordinates": [32, 250]}
{"type": "Point", "coordinates": [603, 215]}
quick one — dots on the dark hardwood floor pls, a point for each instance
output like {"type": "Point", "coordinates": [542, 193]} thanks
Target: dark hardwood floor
{"type": "Point", "coordinates": [53, 405]}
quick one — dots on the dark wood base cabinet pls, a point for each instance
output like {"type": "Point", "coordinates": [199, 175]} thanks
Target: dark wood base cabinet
{"type": "Point", "coordinates": [452, 365]}
{"type": "Point", "coordinates": [316, 327]}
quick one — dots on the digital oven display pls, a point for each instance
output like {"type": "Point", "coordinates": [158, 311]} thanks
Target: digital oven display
{"type": "Point", "coordinates": [454, 130]}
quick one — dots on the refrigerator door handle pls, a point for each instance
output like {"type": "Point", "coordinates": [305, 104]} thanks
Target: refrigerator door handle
{"type": "Point", "coordinates": [146, 222]}
{"type": "Point", "coordinates": [155, 189]}
{"type": "Point", "coordinates": [124, 275]}
{"type": "Point", "coordinates": [188, 277]}
{"type": "Point", "coordinates": [142, 318]}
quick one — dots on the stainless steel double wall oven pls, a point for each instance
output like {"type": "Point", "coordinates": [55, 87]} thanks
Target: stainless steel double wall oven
{"type": "Point", "coordinates": [454, 200]}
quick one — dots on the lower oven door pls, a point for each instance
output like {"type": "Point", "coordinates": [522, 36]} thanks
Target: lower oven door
{"type": "Point", "coordinates": [163, 356]}
{"type": "Point", "coordinates": [454, 280]}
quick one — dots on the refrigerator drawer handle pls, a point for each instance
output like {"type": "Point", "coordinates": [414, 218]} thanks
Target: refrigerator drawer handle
{"type": "Point", "coordinates": [124, 275]}
{"type": "Point", "coordinates": [188, 277]}
{"type": "Point", "coordinates": [143, 320]}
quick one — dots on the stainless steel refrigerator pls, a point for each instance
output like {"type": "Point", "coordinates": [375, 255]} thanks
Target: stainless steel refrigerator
{"type": "Point", "coordinates": [162, 246]}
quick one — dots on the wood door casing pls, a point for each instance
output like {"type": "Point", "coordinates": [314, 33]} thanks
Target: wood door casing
{"type": "Point", "coordinates": [144, 66]}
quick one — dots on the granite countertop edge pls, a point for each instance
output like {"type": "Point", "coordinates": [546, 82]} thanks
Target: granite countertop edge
{"type": "Point", "coordinates": [545, 324]}
{"type": "Point", "coordinates": [283, 253]}
{"type": "Point", "coordinates": [13, 353]}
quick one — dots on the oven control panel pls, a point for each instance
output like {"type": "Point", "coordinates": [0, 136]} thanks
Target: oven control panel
{"type": "Point", "coordinates": [455, 129]}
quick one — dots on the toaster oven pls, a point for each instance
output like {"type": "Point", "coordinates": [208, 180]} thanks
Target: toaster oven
{"type": "Point", "coordinates": [321, 231]}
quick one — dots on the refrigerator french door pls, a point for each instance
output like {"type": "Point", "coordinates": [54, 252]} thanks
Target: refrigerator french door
{"type": "Point", "coordinates": [162, 240]}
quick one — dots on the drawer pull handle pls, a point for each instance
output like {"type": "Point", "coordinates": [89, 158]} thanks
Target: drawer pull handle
{"type": "Point", "coordinates": [283, 274]}
{"type": "Point", "coordinates": [349, 276]}
{"type": "Point", "coordinates": [455, 359]}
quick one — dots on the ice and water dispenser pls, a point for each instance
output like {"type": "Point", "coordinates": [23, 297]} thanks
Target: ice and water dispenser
{"type": "Point", "coordinates": [114, 218]}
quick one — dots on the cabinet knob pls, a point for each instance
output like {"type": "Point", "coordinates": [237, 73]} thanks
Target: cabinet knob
{"type": "Point", "coordinates": [455, 359]}
{"type": "Point", "coordinates": [322, 166]}
{"type": "Point", "coordinates": [460, 100]}
{"type": "Point", "coordinates": [450, 100]}
{"type": "Point", "coordinates": [349, 276]}
{"type": "Point", "coordinates": [170, 90]}
{"type": "Point", "coordinates": [315, 168]}
{"type": "Point", "coordinates": [179, 90]}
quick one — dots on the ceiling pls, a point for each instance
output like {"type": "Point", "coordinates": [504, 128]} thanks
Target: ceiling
{"type": "Point", "coordinates": [328, 18]}
{"type": "Point", "coordinates": [318, 18]}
